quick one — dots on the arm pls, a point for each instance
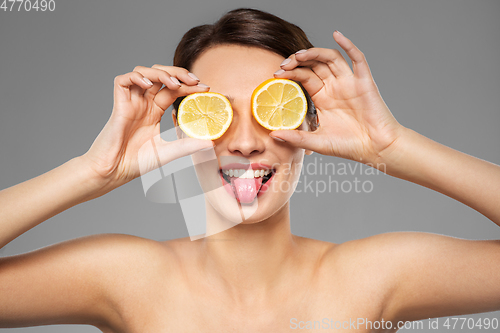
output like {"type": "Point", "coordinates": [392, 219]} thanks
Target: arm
{"type": "Point", "coordinates": [472, 181]}
{"type": "Point", "coordinates": [70, 282]}
{"type": "Point", "coordinates": [28, 204]}
{"type": "Point", "coordinates": [436, 275]}
{"type": "Point", "coordinates": [431, 275]}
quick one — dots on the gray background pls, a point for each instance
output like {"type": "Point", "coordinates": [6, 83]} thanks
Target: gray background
{"type": "Point", "coordinates": [436, 64]}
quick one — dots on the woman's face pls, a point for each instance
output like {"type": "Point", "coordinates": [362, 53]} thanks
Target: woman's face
{"type": "Point", "coordinates": [235, 71]}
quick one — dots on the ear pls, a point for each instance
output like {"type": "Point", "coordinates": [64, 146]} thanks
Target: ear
{"type": "Point", "coordinates": [178, 131]}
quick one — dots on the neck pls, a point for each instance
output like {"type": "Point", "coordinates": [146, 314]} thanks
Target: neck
{"type": "Point", "coordinates": [251, 258]}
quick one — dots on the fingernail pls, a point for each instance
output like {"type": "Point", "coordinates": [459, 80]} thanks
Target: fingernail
{"type": "Point", "coordinates": [286, 61]}
{"type": "Point", "coordinates": [174, 80]}
{"type": "Point", "coordinates": [191, 75]}
{"type": "Point", "coordinates": [279, 72]}
{"type": "Point", "coordinates": [301, 51]}
{"type": "Point", "coordinates": [277, 139]}
{"type": "Point", "coordinates": [339, 32]}
{"type": "Point", "coordinates": [201, 85]}
{"type": "Point", "coordinates": [147, 81]}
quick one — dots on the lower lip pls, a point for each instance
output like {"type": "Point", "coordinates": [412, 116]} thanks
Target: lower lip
{"type": "Point", "coordinates": [229, 188]}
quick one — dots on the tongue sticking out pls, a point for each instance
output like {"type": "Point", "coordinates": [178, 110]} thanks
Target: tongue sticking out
{"type": "Point", "coordinates": [246, 189]}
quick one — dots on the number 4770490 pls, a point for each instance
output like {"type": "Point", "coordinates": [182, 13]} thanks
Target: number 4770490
{"type": "Point", "coordinates": [28, 5]}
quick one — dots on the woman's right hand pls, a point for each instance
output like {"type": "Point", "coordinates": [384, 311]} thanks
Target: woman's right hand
{"type": "Point", "coordinates": [139, 103]}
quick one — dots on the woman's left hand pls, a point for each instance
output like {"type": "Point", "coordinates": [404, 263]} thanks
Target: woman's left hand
{"type": "Point", "coordinates": [355, 122]}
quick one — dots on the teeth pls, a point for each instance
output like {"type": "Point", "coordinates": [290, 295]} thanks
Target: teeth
{"type": "Point", "coordinates": [249, 173]}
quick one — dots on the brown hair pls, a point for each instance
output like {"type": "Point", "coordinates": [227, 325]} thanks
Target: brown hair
{"type": "Point", "coordinates": [247, 27]}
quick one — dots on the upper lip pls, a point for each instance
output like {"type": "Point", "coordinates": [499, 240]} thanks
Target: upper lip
{"type": "Point", "coordinates": [253, 166]}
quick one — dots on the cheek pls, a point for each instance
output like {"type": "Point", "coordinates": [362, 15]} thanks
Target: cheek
{"type": "Point", "coordinates": [293, 164]}
{"type": "Point", "coordinates": [298, 160]}
{"type": "Point", "coordinates": [297, 155]}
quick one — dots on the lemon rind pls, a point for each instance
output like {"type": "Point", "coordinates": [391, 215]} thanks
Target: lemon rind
{"type": "Point", "coordinates": [188, 131]}
{"type": "Point", "coordinates": [263, 86]}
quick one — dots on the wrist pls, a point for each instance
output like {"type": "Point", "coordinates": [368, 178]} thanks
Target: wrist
{"type": "Point", "coordinates": [392, 159]}
{"type": "Point", "coordinates": [94, 184]}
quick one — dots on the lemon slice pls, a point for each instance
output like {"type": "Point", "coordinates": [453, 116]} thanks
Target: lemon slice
{"type": "Point", "coordinates": [205, 115]}
{"type": "Point", "coordinates": [279, 104]}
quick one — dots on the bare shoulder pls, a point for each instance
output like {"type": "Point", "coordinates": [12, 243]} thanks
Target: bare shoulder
{"type": "Point", "coordinates": [381, 264]}
{"type": "Point", "coordinates": [126, 256]}
{"type": "Point", "coordinates": [122, 263]}
{"type": "Point", "coordinates": [109, 249]}
{"type": "Point", "coordinates": [375, 254]}
{"type": "Point", "coordinates": [77, 281]}
{"type": "Point", "coordinates": [100, 249]}
{"type": "Point", "coordinates": [380, 247]}
{"type": "Point", "coordinates": [117, 258]}
{"type": "Point", "coordinates": [134, 269]}
{"type": "Point", "coordinates": [394, 245]}
{"type": "Point", "coordinates": [417, 275]}
{"type": "Point", "coordinates": [360, 272]}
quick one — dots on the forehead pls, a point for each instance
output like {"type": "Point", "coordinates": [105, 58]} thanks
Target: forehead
{"type": "Point", "coordinates": [235, 70]}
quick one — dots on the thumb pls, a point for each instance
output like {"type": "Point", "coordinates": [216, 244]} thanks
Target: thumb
{"type": "Point", "coordinates": [298, 138]}
{"type": "Point", "coordinates": [169, 151]}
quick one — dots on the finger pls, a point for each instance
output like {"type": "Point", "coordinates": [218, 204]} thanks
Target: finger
{"type": "Point", "coordinates": [359, 64]}
{"type": "Point", "coordinates": [321, 69]}
{"type": "Point", "coordinates": [159, 77]}
{"type": "Point", "coordinates": [332, 58]}
{"type": "Point", "coordinates": [298, 138]}
{"type": "Point", "coordinates": [169, 151]}
{"type": "Point", "coordinates": [124, 83]}
{"type": "Point", "coordinates": [165, 97]}
{"type": "Point", "coordinates": [309, 79]}
{"type": "Point", "coordinates": [182, 74]}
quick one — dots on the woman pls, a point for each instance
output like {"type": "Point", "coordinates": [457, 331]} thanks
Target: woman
{"type": "Point", "coordinates": [255, 276]}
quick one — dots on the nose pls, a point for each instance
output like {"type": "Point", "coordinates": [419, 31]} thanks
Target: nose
{"type": "Point", "coordinates": [245, 135]}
